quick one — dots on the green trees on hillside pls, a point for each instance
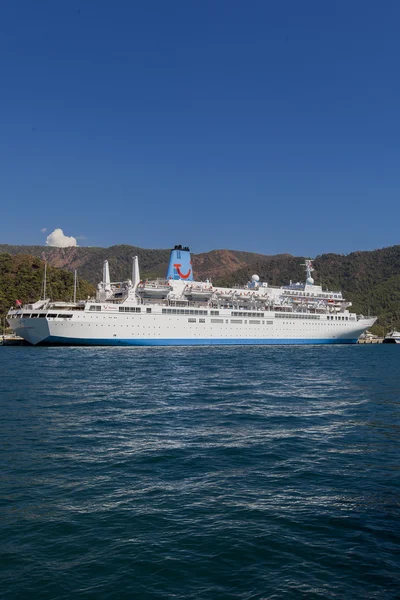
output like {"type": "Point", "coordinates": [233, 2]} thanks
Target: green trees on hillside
{"type": "Point", "coordinates": [21, 278]}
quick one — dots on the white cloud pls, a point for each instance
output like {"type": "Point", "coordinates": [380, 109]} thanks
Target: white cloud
{"type": "Point", "coordinates": [44, 230]}
{"type": "Point", "coordinates": [58, 239]}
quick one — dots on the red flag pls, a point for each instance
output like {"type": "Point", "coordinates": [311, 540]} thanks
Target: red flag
{"type": "Point", "coordinates": [18, 302]}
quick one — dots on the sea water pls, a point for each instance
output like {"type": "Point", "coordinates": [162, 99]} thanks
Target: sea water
{"type": "Point", "coordinates": [212, 473]}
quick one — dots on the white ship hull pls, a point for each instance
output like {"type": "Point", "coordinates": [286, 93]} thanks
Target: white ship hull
{"type": "Point", "coordinates": [191, 313]}
{"type": "Point", "coordinates": [157, 329]}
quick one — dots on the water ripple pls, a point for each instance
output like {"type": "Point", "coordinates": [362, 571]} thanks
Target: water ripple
{"type": "Point", "coordinates": [226, 473]}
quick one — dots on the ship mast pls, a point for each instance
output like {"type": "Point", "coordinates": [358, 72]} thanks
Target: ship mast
{"type": "Point", "coordinates": [45, 279]}
{"type": "Point", "coordinates": [75, 282]}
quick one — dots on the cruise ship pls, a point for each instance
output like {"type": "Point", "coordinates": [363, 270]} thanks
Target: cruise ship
{"type": "Point", "coordinates": [178, 310]}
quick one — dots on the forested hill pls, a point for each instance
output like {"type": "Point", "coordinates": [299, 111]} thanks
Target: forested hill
{"type": "Point", "coordinates": [371, 280]}
{"type": "Point", "coordinates": [21, 278]}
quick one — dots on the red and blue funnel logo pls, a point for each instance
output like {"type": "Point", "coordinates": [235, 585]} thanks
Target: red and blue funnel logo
{"type": "Point", "coordinates": [180, 264]}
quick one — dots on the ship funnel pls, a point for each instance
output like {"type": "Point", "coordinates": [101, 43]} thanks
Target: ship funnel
{"type": "Point", "coordinates": [106, 276]}
{"type": "Point", "coordinates": [180, 264]}
{"type": "Point", "coordinates": [135, 272]}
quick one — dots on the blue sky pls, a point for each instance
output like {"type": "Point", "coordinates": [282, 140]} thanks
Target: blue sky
{"type": "Point", "coordinates": [262, 126]}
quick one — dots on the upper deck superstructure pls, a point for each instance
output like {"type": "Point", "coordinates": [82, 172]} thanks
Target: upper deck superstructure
{"type": "Point", "coordinates": [180, 311]}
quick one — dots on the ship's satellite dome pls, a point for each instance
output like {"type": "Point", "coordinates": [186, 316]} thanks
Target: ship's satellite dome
{"type": "Point", "coordinates": [255, 278]}
{"type": "Point", "coordinates": [310, 281]}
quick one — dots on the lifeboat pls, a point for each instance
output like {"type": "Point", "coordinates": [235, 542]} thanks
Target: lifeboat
{"type": "Point", "coordinates": [198, 293]}
{"type": "Point", "coordinates": [154, 289]}
{"type": "Point", "coordinates": [226, 295]}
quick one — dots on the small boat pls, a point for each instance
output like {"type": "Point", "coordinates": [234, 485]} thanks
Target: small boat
{"type": "Point", "coordinates": [225, 295]}
{"type": "Point", "coordinates": [392, 338]}
{"type": "Point", "coordinates": [198, 293]}
{"type": "Point", "coordinates": [154, 289]}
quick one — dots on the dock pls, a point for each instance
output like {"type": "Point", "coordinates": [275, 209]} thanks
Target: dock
{"type": "Point", "coordinates": [12, 340]}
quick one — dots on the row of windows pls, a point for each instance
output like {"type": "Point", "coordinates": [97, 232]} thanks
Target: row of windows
{"type": "Point", "coordinates": [185, 311]}
{"type": "Point", "coordinates": [41, 316]}
{"type": "Point", "coordinates": [135, 309]}
{"type": "Point", "coordinates": [295, 316]}
{"type": "Point", "coordinates": [251, 322]}
{"type": "Point", "coordinates": [194, 312]}
{"type": "Point", "coordinates": [337, 318]}
{"type": "Point", "coordinates": [234, 321]}
{"type": "Point", "coordinates": [94, 307]}
{"type": "Point", "coordinates": [247, 314]}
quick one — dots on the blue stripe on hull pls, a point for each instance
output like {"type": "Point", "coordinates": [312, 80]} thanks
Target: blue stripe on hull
{"type": "Point", "coordinates": [191, 342]}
